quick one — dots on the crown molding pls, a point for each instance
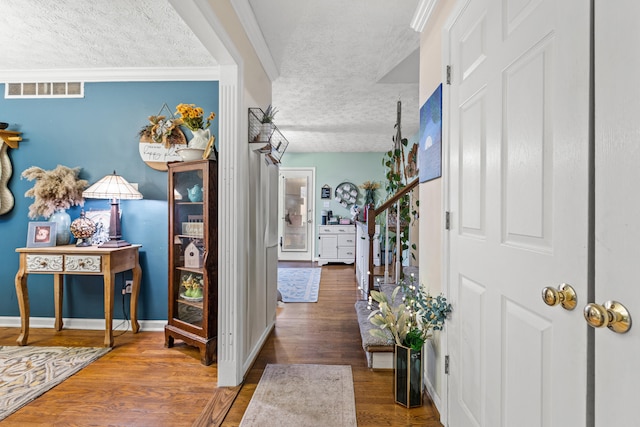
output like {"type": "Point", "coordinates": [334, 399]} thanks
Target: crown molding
{"type": "Point", "coordinates": [112, 75]}
{"type": "Point", "coordinates": [254, 33]}
{"type": "Point", "coordinates": [422, 14]}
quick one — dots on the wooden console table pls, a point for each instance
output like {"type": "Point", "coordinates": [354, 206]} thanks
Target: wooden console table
{"type": "Point", "coordinates": [70, 259]}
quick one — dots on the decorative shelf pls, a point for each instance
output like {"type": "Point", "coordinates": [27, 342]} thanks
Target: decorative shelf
{"type": "Point", "coordinates": [265, 139]}
{"type": "Point", "coordinates": [10, 137]}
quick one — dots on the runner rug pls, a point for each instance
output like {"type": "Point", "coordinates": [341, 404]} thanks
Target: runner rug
{"type": "Point", "coordinates": [27, 372]}
{"type": "Point", "coordinates": [299, 284]}
{"type": "Point", "coordinates": [302, 395]}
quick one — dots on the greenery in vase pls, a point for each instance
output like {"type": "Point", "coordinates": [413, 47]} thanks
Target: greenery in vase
{"type": "Point", "coordinates": [269, 113]}
{"type": "Point", "coordinates": [54, 190]}
{"type": "Point", "coordinates": [411, 322]}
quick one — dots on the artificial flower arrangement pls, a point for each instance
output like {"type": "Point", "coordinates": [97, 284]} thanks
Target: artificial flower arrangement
{"type": "Point", "coordinates": [162, 130]}
{"type": "Point", "coordinates": [193, 117]}
{"type": "Point", "coordinates": [54, 190]}
{"type": "Point", "coordinates": [370, 188]}
{"type": "Point", "coordinates": [193, 286]}
{"type": "Point", "coordinates": [412, 322]}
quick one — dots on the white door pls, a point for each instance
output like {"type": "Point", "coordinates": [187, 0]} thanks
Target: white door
{"type": "Point", "coordinates": [617, 176]}
{"type": "Point", "coordinates": [517, 186]}
{"type": "Point", "coordinates": [295, 227]}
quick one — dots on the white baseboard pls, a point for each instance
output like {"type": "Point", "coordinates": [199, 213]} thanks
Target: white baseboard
{"type": "Point", "coordinates": [87, 324]}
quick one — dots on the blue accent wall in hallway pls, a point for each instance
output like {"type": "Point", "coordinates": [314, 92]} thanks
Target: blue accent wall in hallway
{"type": "Point", "coordinates": [99, 134]}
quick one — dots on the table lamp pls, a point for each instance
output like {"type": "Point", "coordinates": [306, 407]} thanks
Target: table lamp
{"type": "Point", "coordinates": [113, 187]}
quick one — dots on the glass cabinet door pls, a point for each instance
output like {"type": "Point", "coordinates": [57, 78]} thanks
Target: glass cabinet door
{"type": "Point", "coordinates": [193, 256]}
{"type": "Point", "coordinates": [188, 237]}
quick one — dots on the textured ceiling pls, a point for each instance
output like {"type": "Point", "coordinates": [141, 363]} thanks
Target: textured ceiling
{"type": "Point", "coordinates": [341, 71]}
{"type": "Point", "coordinates": [80, 34]}
{"type": "Point", "coordinates": [343, 65]}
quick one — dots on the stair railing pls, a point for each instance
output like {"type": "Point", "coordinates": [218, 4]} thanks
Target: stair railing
{"type": "Point", "coordinates": [372, 213]}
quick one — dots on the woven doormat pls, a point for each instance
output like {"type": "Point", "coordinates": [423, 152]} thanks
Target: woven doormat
{"type": "Point", "coordinates": [303, 395]}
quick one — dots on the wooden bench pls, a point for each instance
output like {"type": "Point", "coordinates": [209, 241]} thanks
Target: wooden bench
{"type": "Point", "coordinates": [379, 352]}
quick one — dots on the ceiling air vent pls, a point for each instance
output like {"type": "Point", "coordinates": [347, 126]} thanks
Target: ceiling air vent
{"type": "Point", "coordinates": [44, 90]}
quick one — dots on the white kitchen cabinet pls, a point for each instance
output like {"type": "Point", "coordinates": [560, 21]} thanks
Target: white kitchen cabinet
{"type": "Point", "coordinates": [337, 244]}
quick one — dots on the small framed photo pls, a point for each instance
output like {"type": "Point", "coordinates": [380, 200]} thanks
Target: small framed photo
{"type": "Point", "coordinates": [41, 234]}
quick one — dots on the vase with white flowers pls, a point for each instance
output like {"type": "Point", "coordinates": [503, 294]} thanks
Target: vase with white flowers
{"type": "Point", "coordinates": [408, 323]}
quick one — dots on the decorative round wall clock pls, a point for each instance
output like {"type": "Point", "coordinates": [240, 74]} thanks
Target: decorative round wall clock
{"type": "Point", "coordinates": [346, 194]}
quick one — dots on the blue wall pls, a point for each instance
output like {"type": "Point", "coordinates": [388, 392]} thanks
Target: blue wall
{"type": "Point", "coordinates": [98, 133]}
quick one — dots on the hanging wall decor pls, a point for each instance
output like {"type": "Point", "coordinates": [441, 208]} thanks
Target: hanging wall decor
{"type": "Point", "coordinates": [325, 192]}
{"type": "Point", "coordinates": [8, 139]}
{"type": "Point", "coordinates": [160, 139]}
{"type": "Point", "coordinates": [346, 194]}
{"type": "Point", "coordinates": [430, 154]}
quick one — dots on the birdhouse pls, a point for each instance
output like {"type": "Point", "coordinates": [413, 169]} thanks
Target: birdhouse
{"type": "Point", "coordinates": [192, 256]}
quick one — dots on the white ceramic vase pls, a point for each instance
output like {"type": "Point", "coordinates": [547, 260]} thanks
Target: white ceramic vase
{"type": "Point", "coordinates": [200, 139]}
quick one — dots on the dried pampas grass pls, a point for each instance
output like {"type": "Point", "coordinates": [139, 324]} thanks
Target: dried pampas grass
{"type": "Point", "coordinates": [56, 189]}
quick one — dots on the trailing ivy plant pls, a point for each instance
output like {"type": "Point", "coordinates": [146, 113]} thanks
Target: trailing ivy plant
{"type": "Point", "coordinates": [396, 174]}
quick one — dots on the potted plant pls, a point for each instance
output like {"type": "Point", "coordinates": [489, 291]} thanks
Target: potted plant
{"type": "Point", "coordinates": [409, 324]}
{"type": "Point", "coordinates": [54, 192]}
{"type": "Point", "coordinates": [193, 118]}
{"type": "Point", "coordinates": [266, 121]}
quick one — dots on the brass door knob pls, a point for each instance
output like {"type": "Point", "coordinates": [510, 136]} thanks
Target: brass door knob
{"type": "Point", "coordinates": [564, 295]}
{"type": "Point", "coordinates": [612, 314]}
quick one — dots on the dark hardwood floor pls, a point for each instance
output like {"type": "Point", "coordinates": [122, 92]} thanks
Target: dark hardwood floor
{"type": "Point", "coordinates": [142, 383]}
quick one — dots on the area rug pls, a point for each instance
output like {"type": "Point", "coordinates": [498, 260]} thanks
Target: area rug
{"type": "Point", "coordinates": [299, 284]}
{"type": "Point", "coordinates": [29, 371]}
{"type": "Point", "coordinates": [302, 395]}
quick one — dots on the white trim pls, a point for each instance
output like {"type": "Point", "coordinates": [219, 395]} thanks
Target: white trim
{"type": "Point", "coordinates": [112, 75]}
{"type": "Point", "coordinates": [447, 283]}
{"type": "Point", "coordinates": [254, 33]}
{"type": "Point", "coordinates": [232, 194]}
{"type": "Point", "coordinates": [422, 14]}
{"type": "Point", "coordinates": [232, 221]}
{"type": "Point", "coordinates": [82, 324]}
{"type": "Point", "coordinates": [310, 254]}
{"type": "Point", "coordinates": [258, 347]}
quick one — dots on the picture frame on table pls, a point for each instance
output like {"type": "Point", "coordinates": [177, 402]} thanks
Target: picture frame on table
{"type": "Point", "coordinates": [41, 234]}
{"type": "Point", "coordinates": [102, 220]}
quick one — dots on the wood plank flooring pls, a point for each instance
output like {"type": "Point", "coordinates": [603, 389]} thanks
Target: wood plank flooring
{"type": "Point", "coordinates": [142, 383]}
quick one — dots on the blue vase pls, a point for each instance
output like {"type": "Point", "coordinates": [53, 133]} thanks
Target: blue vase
{"type": "Point", "coordinates": [63, 226]}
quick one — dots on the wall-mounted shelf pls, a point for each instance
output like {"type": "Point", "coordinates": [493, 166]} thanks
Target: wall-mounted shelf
{"type": "Point", "coordinates": [10, 137]}
{"type": "Point", "coordinates": [265, 138]}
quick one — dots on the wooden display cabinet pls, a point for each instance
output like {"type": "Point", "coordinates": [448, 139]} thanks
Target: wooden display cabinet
{"type": "Point", "coordinates": [193, 256]}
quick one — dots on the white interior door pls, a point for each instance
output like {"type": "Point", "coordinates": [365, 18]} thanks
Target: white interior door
{"type": "Point", "coordinates": [517, 186]}
{"type": "Point", "coordinates": [295, 227]}
{"type": "Point", "coordinates": [617, 172]}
